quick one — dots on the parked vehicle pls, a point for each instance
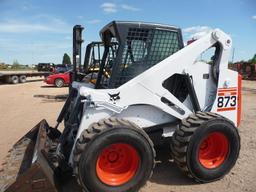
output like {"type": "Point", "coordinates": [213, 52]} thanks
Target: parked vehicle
{"type": "Point", "coordinates": [45, 67]}
{"type": "Point", "coordinates": [62, 68]}
{"type": "Point", "coordinates": [59, 79]}
{"type": "Point", "coordinates": [20, 77]}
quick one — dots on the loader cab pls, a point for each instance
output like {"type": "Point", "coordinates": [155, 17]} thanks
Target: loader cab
{"type": "Point", "coordinates": [130, 48]}
{"type": "Point", "coordinates": [126, 50]}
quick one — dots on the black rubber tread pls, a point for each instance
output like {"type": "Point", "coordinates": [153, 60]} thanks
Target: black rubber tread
{"type": "Point", "coordinates": [181, 138]}
{"type": "Point", "coordinates": [12, 165]}
{"type": "Point", "coordinates": [94, 131]}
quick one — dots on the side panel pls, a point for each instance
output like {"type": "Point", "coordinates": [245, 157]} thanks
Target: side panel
{"type": "Point", "coordinates": [145, 115]}
{"type": "Point", "coordinates": [227, 100]}
{"type": "Point", "coordinates": [204, 84]}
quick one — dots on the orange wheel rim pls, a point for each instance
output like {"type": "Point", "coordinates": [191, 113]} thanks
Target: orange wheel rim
{"type": "Point", "coordinates": [117, 164]}
{"type": "Point", "coordinates": [213, 150]}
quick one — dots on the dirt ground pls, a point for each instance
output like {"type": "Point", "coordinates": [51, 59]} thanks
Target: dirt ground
{"type": "Point", "coordinates": [20, 111]}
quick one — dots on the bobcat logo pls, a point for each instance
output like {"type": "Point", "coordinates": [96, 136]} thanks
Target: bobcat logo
{"type": "Point", "coordinates": [114, 97]}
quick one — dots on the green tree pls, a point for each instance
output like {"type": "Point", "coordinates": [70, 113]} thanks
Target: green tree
{"type": "Point", "coordinates": [253, 60]}
{"type": "Point", "coordinates": [15, 64]}
{"type": "Point", "coordinates": [66, 59]}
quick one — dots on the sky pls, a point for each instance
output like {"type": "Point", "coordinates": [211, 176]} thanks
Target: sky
{"type": "Point", "coordinates": [34, 31]}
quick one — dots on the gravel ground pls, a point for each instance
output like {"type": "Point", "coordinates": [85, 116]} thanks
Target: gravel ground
{"type": "Point", "coordinates": [20, 111]}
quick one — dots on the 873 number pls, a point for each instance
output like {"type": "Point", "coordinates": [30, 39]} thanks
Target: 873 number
{"type": "Point", "coordinates": [226, 101]}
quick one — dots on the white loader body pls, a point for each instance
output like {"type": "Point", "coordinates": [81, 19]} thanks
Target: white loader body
{"type": "Point", "coordinates": [140, 99]}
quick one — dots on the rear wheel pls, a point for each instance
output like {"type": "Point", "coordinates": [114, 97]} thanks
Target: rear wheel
{"type": "Point", "coordinates": [22, 79]}
{"type": "Point", "coordinates": [113, 155]}
{"type": "Point", "coordinates": [206, 146]}
{"type": "Point", "coordinates": [59, 82]}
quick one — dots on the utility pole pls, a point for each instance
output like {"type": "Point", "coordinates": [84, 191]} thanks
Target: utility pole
{"type": "Point", "coordinates": [233, 55]}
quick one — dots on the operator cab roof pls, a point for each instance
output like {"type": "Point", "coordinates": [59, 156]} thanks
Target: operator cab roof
{"type": "Point", "coordinates": [117, 28]}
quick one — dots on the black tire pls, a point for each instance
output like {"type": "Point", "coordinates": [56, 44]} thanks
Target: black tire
{"type": "Point", "coordinates": [96, 139]}
{"type": "Point", "coordinates": [186, 146]}
{"type": "Point", "coordinates": [23, 79]}
{"type": "Point", "coordinates": [14, 79]}
{"type": "Point", "coordinates": [59, 82]}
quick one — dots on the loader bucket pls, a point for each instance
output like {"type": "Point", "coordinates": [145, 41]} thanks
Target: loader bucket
{"type": "Point", "coordinates": [26, 168]}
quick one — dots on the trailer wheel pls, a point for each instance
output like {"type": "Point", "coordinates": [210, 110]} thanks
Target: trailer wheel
{"type": "Point", "coordinates": [23, 79]}
{"type": "Point", "coordinates": [14, 79]}
{"type": "Point", "coordinates": [113, 155]}
{"type": "Point", "coordinates": [205, 146]}
{"type": "Point", "coordinates": [59, 82]}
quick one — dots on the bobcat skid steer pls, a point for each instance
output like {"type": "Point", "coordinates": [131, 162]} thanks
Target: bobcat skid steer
{"type": "Point", "coordinates": [149, 90]}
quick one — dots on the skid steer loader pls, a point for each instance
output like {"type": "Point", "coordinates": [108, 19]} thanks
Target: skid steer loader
{"type": "Point", "coordinates": [149, 89]}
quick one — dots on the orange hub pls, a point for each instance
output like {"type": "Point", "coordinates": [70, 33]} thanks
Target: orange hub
{"type": "Point", "coordinates": [117, 164]}
{"type": "Point", "coordinates": [213, 150]}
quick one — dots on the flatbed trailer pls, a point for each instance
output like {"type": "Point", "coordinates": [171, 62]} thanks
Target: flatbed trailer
{"type": "Point", "coordinates": [20, 77]}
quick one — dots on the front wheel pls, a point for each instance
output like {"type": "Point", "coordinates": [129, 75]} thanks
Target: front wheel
{"type": "Point", "coordinates": [14, 79]}
{"type": "Point", "coordinates": [113, 155]}
{"type": "Point", "coordinates": [206, 146]}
